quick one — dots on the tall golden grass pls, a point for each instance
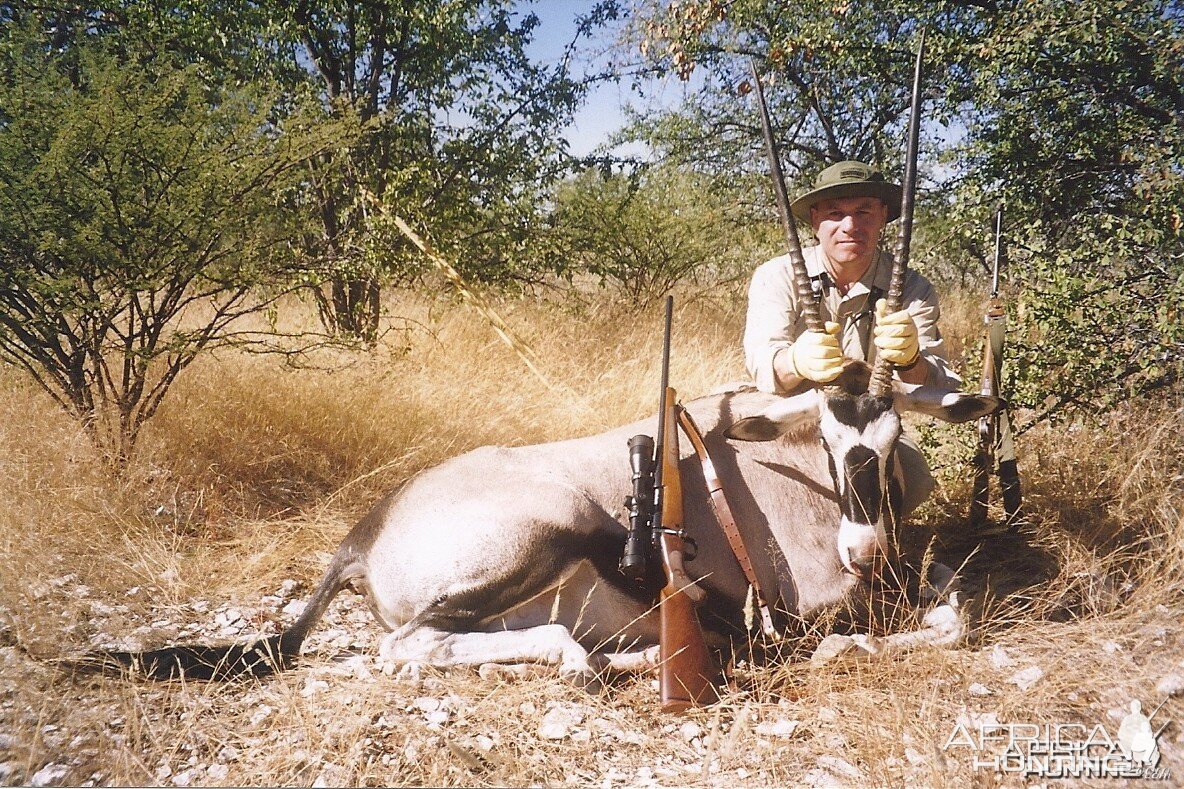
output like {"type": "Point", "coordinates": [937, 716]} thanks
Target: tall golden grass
{"type": "Point", "coordinates": [252, 472]}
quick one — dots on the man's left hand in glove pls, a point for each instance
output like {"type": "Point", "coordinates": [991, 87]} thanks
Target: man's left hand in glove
{"type": "Point", "coordinates": [895, 336]}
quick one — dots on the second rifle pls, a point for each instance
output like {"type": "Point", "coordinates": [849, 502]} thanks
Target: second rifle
{"type": "Point", "coordinates": [996, 445]}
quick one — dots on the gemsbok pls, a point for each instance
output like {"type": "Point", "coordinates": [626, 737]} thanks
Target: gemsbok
{"type": "Point", "coordinates": [510, 555]}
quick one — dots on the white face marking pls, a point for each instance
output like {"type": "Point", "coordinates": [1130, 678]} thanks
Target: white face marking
{"type": "Point", "coordinates": [858, 543]}
{"type": "Point", "coordinates": [879, 435]}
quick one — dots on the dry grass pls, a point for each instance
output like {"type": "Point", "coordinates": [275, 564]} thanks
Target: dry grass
{"type": "Point", "coordinates": [253, 472]}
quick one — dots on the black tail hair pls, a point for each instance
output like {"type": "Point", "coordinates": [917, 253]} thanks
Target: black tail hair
{"type": "Point", "coordinates": [196, 661]}
{"type": "Point", "coordinates": [258, 658]}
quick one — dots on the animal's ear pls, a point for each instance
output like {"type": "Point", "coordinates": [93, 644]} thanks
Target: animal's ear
{"type": "Point", "coordinates": [950, 406]}
{"type": "Point", "coordinates": [784, 416]}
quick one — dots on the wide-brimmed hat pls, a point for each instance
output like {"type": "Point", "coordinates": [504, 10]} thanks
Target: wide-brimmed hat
{"type": "Point", "coordinates": [849, 179]}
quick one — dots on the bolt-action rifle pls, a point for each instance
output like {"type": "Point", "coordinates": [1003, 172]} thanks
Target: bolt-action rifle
{"type": "Point", "coordinates": [996, 445]}
{"type": "Point", "coordinates": [688, 675]}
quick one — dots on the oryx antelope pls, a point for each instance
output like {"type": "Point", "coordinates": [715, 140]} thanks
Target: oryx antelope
{"type": "Point", "coordinates": [509, 555]}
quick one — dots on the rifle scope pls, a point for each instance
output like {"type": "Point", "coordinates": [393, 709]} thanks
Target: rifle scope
{"type": "Point", "coordinates": [641, 508]}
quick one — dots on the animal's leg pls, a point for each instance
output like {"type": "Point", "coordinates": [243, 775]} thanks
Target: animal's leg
{"type": "Point", "coordinates": [633, 662]}
{"type": "Point", "coordinates": [941, 626]}
{"type": "Point", "coordinates": [546, 644]}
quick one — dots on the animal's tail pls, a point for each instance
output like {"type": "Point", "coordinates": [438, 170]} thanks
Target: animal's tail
{"type": "Point", "coordinates": [257, 658]}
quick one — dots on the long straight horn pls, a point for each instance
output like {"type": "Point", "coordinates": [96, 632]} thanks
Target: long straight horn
{"type": "Point", "coordinates": [881, 383]}
{"type": "Point", "coordinates": [797, 263]}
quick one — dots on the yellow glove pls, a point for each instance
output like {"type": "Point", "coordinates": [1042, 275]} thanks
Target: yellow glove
{"type": "Point", "coordinates": [896, 336]}
{"type": "Point", "coordinates": [817, 356]}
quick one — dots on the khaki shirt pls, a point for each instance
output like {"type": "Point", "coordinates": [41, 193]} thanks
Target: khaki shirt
{"type": "Point", "coordinates": [774, 320]}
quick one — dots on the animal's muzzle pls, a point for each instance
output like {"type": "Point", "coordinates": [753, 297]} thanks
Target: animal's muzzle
{"type": "Point", "coordinates": [861, 547]}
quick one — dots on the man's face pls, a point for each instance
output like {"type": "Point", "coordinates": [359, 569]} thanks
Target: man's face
{"type": "Point", "coordinates": [848, 228]}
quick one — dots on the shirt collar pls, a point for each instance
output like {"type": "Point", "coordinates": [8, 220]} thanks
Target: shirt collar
{"type": "Point", "coordinates": [878, 274]}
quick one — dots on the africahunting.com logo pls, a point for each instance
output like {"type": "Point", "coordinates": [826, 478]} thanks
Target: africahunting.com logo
{"type": "Point", "coordinates": [1062, 750]}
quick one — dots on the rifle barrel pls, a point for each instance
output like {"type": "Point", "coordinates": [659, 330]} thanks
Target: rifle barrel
{"type": "Point", "coordinates": [998, 250]}
{"type": "Point", "coordinates": [660, 438]}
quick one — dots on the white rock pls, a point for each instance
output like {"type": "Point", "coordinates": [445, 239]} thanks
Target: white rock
{"type": "Point", "coordinates": [1171, 685]}
{"type": "Point", "coordinates": [558, 722]}
{"type": "Point", "coordinates": [1000, 658]}
{"type": "Point", "coordinates": [839, 765]}
{"type": "Point", "coordinates": [823, 780]}
{"type": "Point", "coordinates": [228, 753]}
{"type": "Point", "coordinates": [49, 775]}
{"type": "Point", "coordinates": [331, 775]}
{"type": "Point", "coordinates": [295, 608]}
{"type": "Point", "coordinates": [183, 778]}
{"type": "Point", "coordinates": [979, 689]}
{"type": "Point", "coordinates": [313, 687]}
{"type": "Point", "coordinates": [827, 714]}
{"type": "Point", "coordinates": [915, 757]}
{"type": "Point", "coordinates": [1110, 647]}
{"type": "Point", "coordinates": [782, 728]}
{"type": "Point", "coordinates": [217, 772]}
{"type": "Point", "coordinates": [7, 771]}
{"type": "Point", "coordinates": [1027, 678]}
{"type": "Point", "coordinates": [426, 704]}
{"type": "Point", "coordinates": [261, 714]}
{"type": "Point", "coordinates": [986, 721]}
{"type": "Point", "coordinates": [690, 730]}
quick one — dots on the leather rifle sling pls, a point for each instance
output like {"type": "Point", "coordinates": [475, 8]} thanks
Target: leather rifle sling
{"type": "Point", "coordinates": [723, 514]}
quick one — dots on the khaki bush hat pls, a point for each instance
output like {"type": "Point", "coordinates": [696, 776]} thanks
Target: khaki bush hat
{"type": "Point", "coordinates": [848, 179]}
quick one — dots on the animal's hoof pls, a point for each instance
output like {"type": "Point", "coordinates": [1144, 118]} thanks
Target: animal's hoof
{"type": "Point", "coordinates": [840, 648]}
{"type": "Point", "coordinates": [511, 671]}
{"type": "Point", "coordinates": [403, 671]}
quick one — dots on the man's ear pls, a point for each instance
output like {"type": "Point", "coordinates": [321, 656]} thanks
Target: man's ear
{"type": "Point", "coordinates": [784, 416]}
{"type": "Point", "coordinates": [947, 405]}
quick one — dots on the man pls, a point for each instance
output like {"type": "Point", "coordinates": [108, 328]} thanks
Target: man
{"type": "Point", "coordinates": [848, 209]}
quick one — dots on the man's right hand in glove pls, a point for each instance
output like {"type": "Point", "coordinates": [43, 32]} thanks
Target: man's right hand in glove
{"type": "Point", "coordinates": [815, 356]}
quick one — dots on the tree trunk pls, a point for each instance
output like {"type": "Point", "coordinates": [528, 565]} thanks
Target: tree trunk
{"type": "Point", "coordinates": [355, 308]}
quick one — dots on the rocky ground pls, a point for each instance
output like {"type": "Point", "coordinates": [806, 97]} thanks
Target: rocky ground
{"type": "Point", "coordinates": [337, 720]}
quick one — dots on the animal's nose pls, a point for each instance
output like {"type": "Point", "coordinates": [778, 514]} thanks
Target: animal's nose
{"type": "Point", "coordinates": [860, 547]}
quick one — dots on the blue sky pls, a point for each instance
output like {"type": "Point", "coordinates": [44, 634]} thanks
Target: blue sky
{"type": "Point", "coordinates": [603, 113]}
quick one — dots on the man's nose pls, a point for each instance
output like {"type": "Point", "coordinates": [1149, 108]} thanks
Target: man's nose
{"type": "Point", "coordinates": [847, 223]}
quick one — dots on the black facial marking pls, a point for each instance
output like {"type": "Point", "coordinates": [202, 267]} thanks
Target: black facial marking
{"type": "Point", "coordinates": [863, 500]}
{"type": "Point", "coordinates": [754, 428]}
{"type": "Point", "coordinates": [857, 411]}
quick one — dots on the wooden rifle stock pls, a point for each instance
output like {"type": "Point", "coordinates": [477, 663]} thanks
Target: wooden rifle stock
{"type": "Point", "coordinates": [688, 676]}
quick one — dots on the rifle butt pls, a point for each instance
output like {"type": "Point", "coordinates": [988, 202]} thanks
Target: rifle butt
{"type": "Point", "coordinates": [1009, 483]}
{"type": "Point", "coordinates": [688, 675]}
